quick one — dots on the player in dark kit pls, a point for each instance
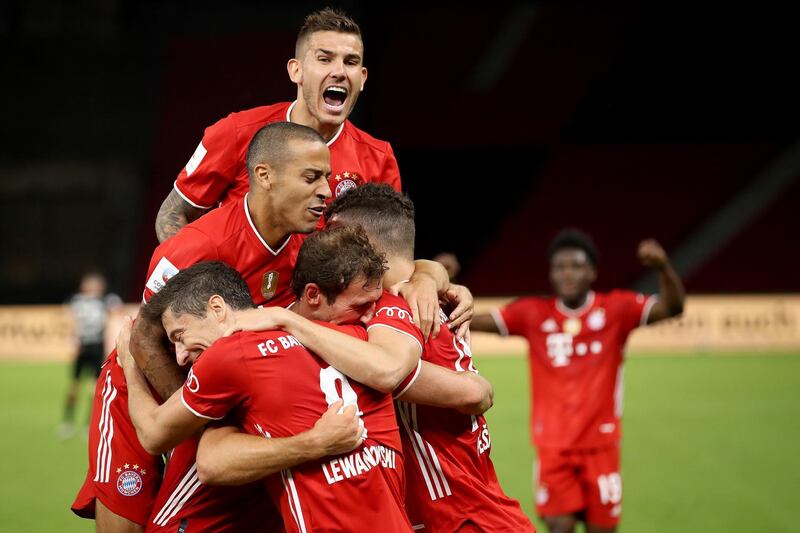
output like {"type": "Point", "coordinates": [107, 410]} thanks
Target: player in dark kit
{"type": "Point", "coordinates": [576, 341]}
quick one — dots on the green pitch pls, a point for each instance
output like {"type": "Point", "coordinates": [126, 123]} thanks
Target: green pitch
{"type": "Point", "coordinates": [710, 444]}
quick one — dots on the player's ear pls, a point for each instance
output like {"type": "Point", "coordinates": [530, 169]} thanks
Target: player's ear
{"type": "Point", "coordinates": [217, 307]}
{"type": "Point", "coordinates": [295, 69]}
{"type": "Point", "coordinates": [592, 274]}
{"type": "Point", "coordinates": [363, 77]}
{"type": "Point", "coordinates": [262, 173]}
{"type": "Point", "coordinates": [312, 294]}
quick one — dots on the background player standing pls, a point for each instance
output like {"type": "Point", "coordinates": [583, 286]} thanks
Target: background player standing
{"type": "Point", "coordinates": [89, 307]}
{"type": "Point", "coordinates": [328, 69]}
{"type": "Point", "coordinates": [576, 341]}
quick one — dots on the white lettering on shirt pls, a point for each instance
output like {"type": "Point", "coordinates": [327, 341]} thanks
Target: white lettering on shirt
{"type": "Point", "coordinates": [359, 462]}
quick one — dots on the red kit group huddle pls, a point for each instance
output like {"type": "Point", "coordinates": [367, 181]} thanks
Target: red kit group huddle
{"type": "Point", "coordinates": [294, 368]}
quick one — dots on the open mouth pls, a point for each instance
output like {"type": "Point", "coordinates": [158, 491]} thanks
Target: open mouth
{"type": "Point", "coordinates": [334, 97]}
{"type": "Point", "coordinates": [317, 211]}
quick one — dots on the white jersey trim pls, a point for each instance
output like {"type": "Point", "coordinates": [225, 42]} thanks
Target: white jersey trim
{"type": "Point", "coordinates": [648, 306]}
{"type": "Point", "coordinates": [400, 331]}
{"type": "Point", "coordinates": [195, 413]}
{"type": "Point", "coordinates": [413, 379]}
{"type": "Point", "coordinates": [566, 311]}
{"type": "Point", "coordinates": [329, 143]}
{"type": "Point", "coordinates": [426, 456]}
{"type": "Point", "coordinates": [260, 238]}
{"type": "Point", "coordinates": [106, 427]}
{"type": "Point", "coordinates": [186, 199]}
{"type": "Point", "coordinates": [294, 499]}
{"type": "Point", "coordinates": [188, 485]}
{"type": "Point", "coordinates": [502, 329]}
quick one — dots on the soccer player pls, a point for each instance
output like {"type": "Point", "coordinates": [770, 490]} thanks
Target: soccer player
{"type": "Point", "coordinates": [259, 234]}
{"type": "Point", "coordinates": [451, 483]}
{"type": "Point", "coordinates": [275, 388]}
{"type": "Point", "coordinates": [328, 69]}
{"type": "Point", "coordinates": [576, 341]}
{"type": "Point", "coordinates": [90, 308]}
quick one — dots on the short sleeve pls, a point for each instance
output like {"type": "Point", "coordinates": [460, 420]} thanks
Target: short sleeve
{"type": "Point", "coordinates": [393, 312]}
{"type": "Point", "coordinates": [514, 318]}
{"type": "Point", "coordinates": [634, 308]}
{"type": "Point", "coordinates": [213, 166]}
{"type": "Point", "coordinates": [188, 247]}
{"type": "Point", "coordinates": [390, 173]}
{"type": "Point", "coordinates": [217, 381]}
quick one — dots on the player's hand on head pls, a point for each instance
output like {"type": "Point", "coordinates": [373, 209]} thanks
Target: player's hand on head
{"type": "Point", "coordinates": [652, 254]}
{"type": "Point", "coordinates": [339, 429]}
{"type": "Point", "coordinates": [459, 298]}
{"type": "Point", "coordinates": [262, 319]}
{"type": "Point", "coordinates": [423, 300]}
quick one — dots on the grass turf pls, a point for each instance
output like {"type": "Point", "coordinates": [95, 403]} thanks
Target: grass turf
{"type": "Point", "coordinates": [709, 443]}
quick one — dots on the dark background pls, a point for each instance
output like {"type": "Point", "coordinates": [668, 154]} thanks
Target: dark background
{"type": "Point", "coordinates": [509, 121]}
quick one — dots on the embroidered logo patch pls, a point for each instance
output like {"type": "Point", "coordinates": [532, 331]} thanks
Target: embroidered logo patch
{"type": "Point", "coordinates": [129, 483]}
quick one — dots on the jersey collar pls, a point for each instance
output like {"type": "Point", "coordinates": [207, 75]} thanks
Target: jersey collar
{"type": "Point", "coordinates": [257, 234]}
{"type": "Point", "coordinates": [333, 139]}
{"type": "Point", "coordinates": [566, 311]}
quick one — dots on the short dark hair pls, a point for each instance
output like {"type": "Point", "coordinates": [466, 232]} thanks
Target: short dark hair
{"type": "Point", "coordinates": [270, 144]}
{"type": "Point", "coordinates": [189, 290]}
{"type": "Point", "coordinates": [573, 238]}
{"type": "Point", "coordinates": [327, 19]}
{"type": "Point", "coordinates": [386, 215]}
{"type": "Point", "coordinates": [333, 258]}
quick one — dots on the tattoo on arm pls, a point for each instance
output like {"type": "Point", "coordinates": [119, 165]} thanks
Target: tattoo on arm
{"type": "Point", "coordinates": [174, 213]}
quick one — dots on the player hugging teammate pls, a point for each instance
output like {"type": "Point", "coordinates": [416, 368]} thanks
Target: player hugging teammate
{"type": "Point", "coordinates": [284, 417]}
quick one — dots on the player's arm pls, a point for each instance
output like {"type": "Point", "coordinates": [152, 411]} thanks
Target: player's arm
{"type": "Point", "coordinates": [175, 212]}
{"type": "Point", "coordinates": [484, 322]}
{"type": "Point", "coordinates": [150, 349]}
{"type": "Point", "coordinates": [379, 365]}
{"type": "Point", "coordinates": [158, 427]}
{"type": "Point", "coordinates": [466, 392]}
{"type": "Point", "coordinates": [671, 294]}
{"type": "Point", "coordinates": [226, 456]}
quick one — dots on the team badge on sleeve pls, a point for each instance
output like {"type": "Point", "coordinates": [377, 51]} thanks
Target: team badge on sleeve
{"type": "Point", "coordinates": [161, 274]}
{"type": "Point", "coordinates": [269, 284]}
{"type": "Point", "coordinates": [130, 479]}
{"type": "Point", "coordinates": [196, 158]}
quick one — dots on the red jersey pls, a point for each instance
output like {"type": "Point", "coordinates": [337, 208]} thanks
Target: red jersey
{"type": "Point", "coordinates": [121, 473]}
{"type": "Point", "coordinates": [217, 173]}
{"type": "Point", "coordinates": [228, 235]}
{"type": "Point", "coordinates": [393, 312]}
{"type": "Point", "coordinates": [274, 387]}
{"type": "Point", "coordinates": [576, 358]}
{"type": "Point", "coordinates": [184, 504]}
{"type": "Point", "coordinates": [450, 478]}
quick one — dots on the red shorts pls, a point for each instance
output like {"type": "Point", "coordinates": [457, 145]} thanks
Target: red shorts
{"type": "Point", "coordinates": [587, 481]}
{"type": "Point", "coordinates": [121, 474]}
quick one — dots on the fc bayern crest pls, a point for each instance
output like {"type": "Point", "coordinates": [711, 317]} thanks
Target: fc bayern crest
{"type": "Point", "coordinates": [345, 185]}
{"type": "Point", "coordinates": [129, 483]}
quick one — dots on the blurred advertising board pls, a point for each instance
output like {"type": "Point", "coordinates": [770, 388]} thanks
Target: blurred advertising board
{"type": "Point", "coordinates": [754, 323]}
